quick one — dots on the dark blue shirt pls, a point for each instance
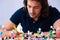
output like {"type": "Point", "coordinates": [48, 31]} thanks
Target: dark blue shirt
{"type": "Point", "coordinates": [28, 23]}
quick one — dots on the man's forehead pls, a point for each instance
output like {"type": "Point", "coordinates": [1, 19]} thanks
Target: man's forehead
{"type": "Point", "coordinates": [33, 3]}
{"type": "Point", "coordinates": [33, 0]}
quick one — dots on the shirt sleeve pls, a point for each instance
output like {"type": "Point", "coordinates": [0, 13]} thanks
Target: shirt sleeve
{"type": "Point", "coordinates": [16, 17]}
{"type": "Point", "coordinates": [55, 14]}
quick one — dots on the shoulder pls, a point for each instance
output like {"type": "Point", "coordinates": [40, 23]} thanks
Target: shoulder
{"type": "Point", "coordinates": [20, 10]}
{"type": "Point", "coordinates": [53, 9]}
{"type": "Point", "coordinates": [17, 16]}
{"type": "Point", "coordinates": [54, 14]}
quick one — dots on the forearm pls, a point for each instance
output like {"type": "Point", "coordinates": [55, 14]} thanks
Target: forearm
{"type": "Point", "coordinates": [8, 25]}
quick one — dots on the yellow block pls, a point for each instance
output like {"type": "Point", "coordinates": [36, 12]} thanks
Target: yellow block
{"type": "Point", "coordinates": [15, 28]}
{"type": "Point", "coordinates": [36, 34]}
{"type": "Point", "coordinates": [20, 35]}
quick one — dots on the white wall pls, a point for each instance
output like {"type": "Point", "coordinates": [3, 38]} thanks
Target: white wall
{"type": "Point", "coordinates": [55, 3]}
{"type": "Point", "coordinates": [8, 7]}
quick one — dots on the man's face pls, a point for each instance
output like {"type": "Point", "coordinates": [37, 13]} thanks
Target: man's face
{"type": "Point", "coordinates": [34, 8]}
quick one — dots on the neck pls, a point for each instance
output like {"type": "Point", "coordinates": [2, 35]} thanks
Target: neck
{"type": "Point", "coordinates": [36, 18]}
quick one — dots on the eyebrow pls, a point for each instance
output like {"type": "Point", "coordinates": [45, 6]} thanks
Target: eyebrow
{"type": "Point", "coordinates": [35, 6]}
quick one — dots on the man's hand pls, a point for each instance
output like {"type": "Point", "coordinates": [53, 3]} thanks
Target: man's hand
{"type": "Point", "coordinates": [8, 33]}
{"type": "Point", "coordinates": [57, 27]}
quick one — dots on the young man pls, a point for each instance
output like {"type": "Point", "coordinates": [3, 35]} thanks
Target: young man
{"type": "Point", "coordinates": [35, 14]}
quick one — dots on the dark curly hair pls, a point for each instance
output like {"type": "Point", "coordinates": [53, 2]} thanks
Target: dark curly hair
{"type": "Point", "coordinates": [44, 4]}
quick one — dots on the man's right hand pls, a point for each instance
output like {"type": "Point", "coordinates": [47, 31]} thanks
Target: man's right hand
{"type": "Point", "coordinates": [8, 33]}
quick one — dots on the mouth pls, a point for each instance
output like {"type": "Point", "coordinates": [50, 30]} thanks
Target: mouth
{"type": "Point", "coordinates": [32, 14]}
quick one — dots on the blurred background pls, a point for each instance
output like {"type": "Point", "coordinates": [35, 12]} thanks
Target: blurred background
{"type": "Point", "coordinates": [8, 7]}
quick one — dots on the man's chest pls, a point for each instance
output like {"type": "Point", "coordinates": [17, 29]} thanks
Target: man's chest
{"type": "Point", "coordinates": [31, 25]}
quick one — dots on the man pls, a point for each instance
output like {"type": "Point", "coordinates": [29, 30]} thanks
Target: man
{"type": "Point", "coordinates": [35, 14]}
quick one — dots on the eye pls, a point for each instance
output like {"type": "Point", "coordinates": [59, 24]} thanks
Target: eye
{"type": "Point", "coordinates": [29, 6]}
{"type": "Point", "coordinates": [36, 7]}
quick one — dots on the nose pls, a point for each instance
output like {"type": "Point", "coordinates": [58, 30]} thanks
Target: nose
{"type": "Point", "coordinates": [32, 10]}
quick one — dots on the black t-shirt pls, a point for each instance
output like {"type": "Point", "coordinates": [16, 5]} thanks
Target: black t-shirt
{"type": "Point", "coordinates": [28, 23]}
